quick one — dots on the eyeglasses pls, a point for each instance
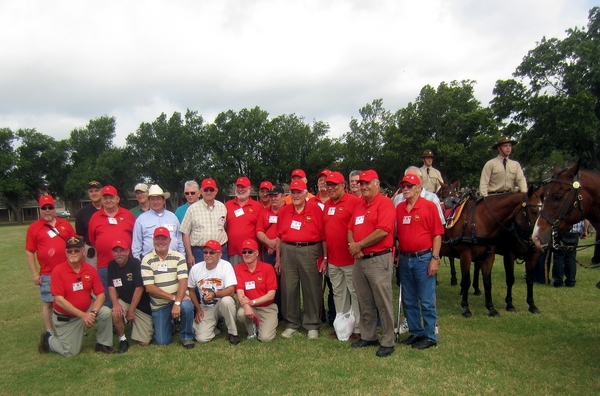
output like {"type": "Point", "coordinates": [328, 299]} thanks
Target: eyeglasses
{"type": "Point", "coordinates": [74, 251]}
{"type": "Point", "coordinates": [192, 193]}
{"type": "Point", "coordinates": [247, 251]}
{"type": "Point", "coordinates": [209, 190]}
{"type": "Point", "coordinates": [332, 185]}
{"type": "Point", "coordinates": [47, 207]}
{"type": "Point", "coordinates": [407, 186]}
{"type": "Point", "coordinates": [209, 253]}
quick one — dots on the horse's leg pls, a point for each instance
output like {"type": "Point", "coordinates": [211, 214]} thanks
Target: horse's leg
{"type": "Point", "coordinates": [476, 271]}
{"type": "Point", "coordinates": [509, 269]}
{"type": "Point", "coordinates": [530, 266]}
{"type": "Point", "coordinates": [465, 283]}
{"type": "Point", "coordinates": [486, 274]}
{"type": "Point", "coordinates": [453, 280]}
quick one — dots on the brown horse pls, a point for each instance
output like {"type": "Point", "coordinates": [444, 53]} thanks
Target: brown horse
{"type": "Point", "coordinates": [475, 237]}
{"type": "Point", "coordinates": [570, 196]}
{"type": "Point", "coordinates": [448, 190]}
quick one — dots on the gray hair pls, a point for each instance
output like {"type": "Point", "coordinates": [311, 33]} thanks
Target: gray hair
{"type": "Point", "coordinates": [192, 183]}
{"type": "Point", "coordinates": [353, 173]}
{"type": "Point", "coordinates": [416, 169]}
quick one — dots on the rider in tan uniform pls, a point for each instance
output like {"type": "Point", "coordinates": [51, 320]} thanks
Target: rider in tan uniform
{"type": "Point", "coordinates": [432, 178]}
{"type": "Point", "coordinates": [501, 174]}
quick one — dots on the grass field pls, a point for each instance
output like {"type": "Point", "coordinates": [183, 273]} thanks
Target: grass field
{"type": "Point", "coordinates": [556, 352]}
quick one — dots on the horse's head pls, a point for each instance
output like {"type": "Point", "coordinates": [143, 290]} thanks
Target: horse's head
{"type": "Point", "coordinates": [531, 210]}
{"type": "Point", "coordinates": [448, 190]}
{"type": "Point", "coordinates": [561, 196]}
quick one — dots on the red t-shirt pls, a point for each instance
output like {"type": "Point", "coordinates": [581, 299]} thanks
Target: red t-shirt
{"type": "Point", "coordinates": [306, 226]}
{"type": "Point", "coordinates": [267, 222]}
{"type": "Point", "coordinates": [336, 217]}
{"type": "Point", "coordinates": [50, 247]}
{"type": "Point", "coordinates": [104, 231]}
{"type": "Point", "coordinates": [241, 223]}
{"type": "Point", "coordinates": [417, 229]}
{"type": "Point", "coordinates": [75, 287]}
{"type": "Point", "coordinates": [256, 284]}
{"type": "Point", "coordinates": [368, 217]}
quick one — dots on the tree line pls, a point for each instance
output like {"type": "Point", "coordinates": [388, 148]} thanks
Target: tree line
{"type": "Point", "coordinates": [551, 106]}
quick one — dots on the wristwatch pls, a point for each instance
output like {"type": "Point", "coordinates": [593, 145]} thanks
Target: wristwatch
{"type": "Point", "coordinates": [177, 302]}
{"type": "Point", "coordinates": [435, 257]}
{"type": "Point", "coordinates": [95, 312]}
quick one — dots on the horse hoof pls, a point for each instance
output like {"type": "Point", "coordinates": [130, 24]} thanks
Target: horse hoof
{"type": "Point", "coordinates": [494, 313]}
{"type": "Point", "coordinates": [453, 282]}
{"type": "Point", "coordinates": [477, 293]}
{"type": "Point", "coordinates": [467, 314]}
{"type": "Point", "coordinates": [534, 310]}
{"type": "Point", "coordinates": [511, 309]}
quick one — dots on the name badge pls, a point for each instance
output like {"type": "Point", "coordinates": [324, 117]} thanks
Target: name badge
{"type": "Point", "coordinates": [238, 212]}
{"type": "Point", "coordinates": [51, 234]}
{"type": "Point", "coordinates": [162, 267]}
{"type": "Point", "coordinates": [331, 211]}
{"type": "Point", "coordinates": [112, 220]}
{"type": "Point", "coordinates": [359, 220]}
{"type": "Point", "coordinates": [77, 286]}
{"type": "Point", "coordinates": [250, 285]}
{"type": "Point", "coordinates": [321, 205]}
{"type": "Point", "coordinates": [273, 219]}
{"type": "Point", "coordinates": [406, 220]}
{"type": "Point", "coordinates": [221, 222]}
{"type": "Point", "coordinates": [117, 282]}
{"type": "Point", "coordinates": [296, 225]}
{"type": "Point", "coordinates": [170, 227]}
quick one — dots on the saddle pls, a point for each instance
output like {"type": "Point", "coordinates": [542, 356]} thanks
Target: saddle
{"type": "Point", "coordinates": [453, 209]}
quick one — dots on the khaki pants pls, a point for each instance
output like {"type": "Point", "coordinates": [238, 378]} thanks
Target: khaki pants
{"type": "Point", "coordinates": [142, 328]}
{"type": "Point", "coordinates": [373, 283]}
{"type": "Point", "coordinates": [267, 321]}
{"type": "Point", "coordinates": [344, 295]}
{"type": "Point", "coordinates": [224, 308]}
{"type": "Point", "coordinates": [68, 336]}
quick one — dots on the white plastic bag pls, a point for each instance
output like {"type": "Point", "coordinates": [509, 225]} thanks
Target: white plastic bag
{"type": "Point", "coordinates": [344, 325]}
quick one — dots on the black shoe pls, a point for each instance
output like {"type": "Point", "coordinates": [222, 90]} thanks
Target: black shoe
{"type": "Point", "coordinates": [384, 351]}
{"type": "Point", "coordinates": [410, 340]}
{"type": "Point", "coordinates": [364, 343]}
{"type": "Point", "coordinates": [123, 346]}
{"type": "Point", "coordinates": [233, 339]}
{"type": "Point", "coordinates": [44, 346]}
{"type": "Point", "coordinates": [424, 343]}
{"type": "Point", "coordinates": [188, 344]}
{"type": "Point", "coordinates": [104, 349]}
{"type": "Point", "coordinates": [558, 284]}
{"type": "Point", "coordinates": [598, 285]}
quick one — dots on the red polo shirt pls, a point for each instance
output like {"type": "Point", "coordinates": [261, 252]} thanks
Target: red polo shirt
{"type": "Point", "coordinates": [104, 231]}
{"type": "Point", "coordinates": [306, 226]}
{"type": "Point", "coordinates": [241, 223]}
{"type": "Point", "coordinates": [336, 217]}
{"type": "Point", "coordinates": [267, 222]}
{"type": "Point", "coordinates": [75, 287]}
{"type": "Point", "coordinates": [368, 217]}
{"type": "Point", "coordinates": [256, 284]}
{"type": "Point", "coordinates": [50, 247]}
{"type": "Point", "coordinates": [417, 228]}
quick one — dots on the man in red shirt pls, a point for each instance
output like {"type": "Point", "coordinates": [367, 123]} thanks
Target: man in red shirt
{"type": "Point", "coordinates": [370, 241]}
{"type": "Point", "coordinates": [73, 283]}
{"type": "Point", "coordinates": [263, 194]}
{"type": "Point", "coordinates": [46, 240]}
{"type": "Point", "coordinates": [337, 213]}
{"type": "Point", "coordinates": [420, 239]}
{"type": "Point", "coordinates": [299, 247]}
{"type": "Point", "coordinates": [242, 215]}
{"type": "Point", "coordinates": [106, 225]}
{"type": "Point", "coordinates": [256, 286]}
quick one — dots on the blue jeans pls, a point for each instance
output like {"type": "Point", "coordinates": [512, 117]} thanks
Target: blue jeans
{"type": "Point", "coordinates": [198, 253]}
{"type": "Point", "coordinates": [103, 272]}
{"type": "Point", "coordinates": [163, 323]}
{"type": "Point", "coordinates": [418, 292]}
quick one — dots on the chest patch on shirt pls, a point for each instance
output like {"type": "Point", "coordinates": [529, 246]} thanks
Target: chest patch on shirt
{"type": "Point", "coordinates": [417, 217]}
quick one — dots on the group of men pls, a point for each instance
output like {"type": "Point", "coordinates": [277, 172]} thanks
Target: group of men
{"type": "Point", "coordinates": [157, 268]}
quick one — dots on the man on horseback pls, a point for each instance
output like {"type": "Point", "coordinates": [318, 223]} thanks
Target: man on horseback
{"type": "Point", "coordinates": [501, 174]}
{"type": "Point", "coordinates": [432, 178]}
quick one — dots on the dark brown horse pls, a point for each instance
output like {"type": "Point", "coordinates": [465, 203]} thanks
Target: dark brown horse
{"type": "Point", "coordinates": [570, 196]}
{"type": "Point", "coordinates": [476, 236]}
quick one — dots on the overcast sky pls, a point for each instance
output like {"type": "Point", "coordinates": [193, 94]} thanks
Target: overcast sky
{"type": "Point", "coordinates": [63, 63]}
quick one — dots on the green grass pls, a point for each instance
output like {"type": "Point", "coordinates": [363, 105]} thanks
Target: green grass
{"type": "Point", "coordinates": [517, 353]}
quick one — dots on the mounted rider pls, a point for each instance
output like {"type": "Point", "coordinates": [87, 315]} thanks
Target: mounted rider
{"type": "Point", "coordinates": [501, 174]}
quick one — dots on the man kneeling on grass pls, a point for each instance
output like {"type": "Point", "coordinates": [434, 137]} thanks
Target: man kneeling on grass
{"type": "Point", "coordinates": [72, 284]}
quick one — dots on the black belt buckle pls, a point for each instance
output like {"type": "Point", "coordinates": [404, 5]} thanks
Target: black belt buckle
{"type": "Point", "coordinates": [61, 317]}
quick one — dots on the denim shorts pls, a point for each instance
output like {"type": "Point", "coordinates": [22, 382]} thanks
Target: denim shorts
{"type": "Point", "coordinates": [45, 289]}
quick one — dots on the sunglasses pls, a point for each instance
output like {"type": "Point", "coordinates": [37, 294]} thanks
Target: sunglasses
{"type": "Point", "coordinates": [192, 193]}
{"type": "Point", "coordinates": [247, 251]}
{"type": "Point", "coordinates": [209, 190]}
{"type": "Point", "coordinates": [406, 186]}
{"type": "Point", "coordinates": [209, 253]}
{"type": "Point", "coordinates": [47, 207]}
{"type": "Point", "coordinates": [74, 251]}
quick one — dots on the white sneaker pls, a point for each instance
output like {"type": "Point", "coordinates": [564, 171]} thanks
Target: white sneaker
{"type": "Point", "coordinates": [313, 334]}
{"type": "Point", "coordinates": [251, 336]}
{"type": "Point", "coordinates": [289, 333]}
{"type": "Point", "coordinates": [436, 329]}
{"type": "Point", "coordinates": [403, 329]}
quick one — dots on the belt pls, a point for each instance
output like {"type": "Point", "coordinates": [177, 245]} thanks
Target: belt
{"type": "Point", "coordinates": [371, 255]}
{"type": "Point", "coordinates": [301, 244]}
{"type": "Point", "coordinates": [499, 192]}
{"type": "Point", "coordinates": [416, 254]}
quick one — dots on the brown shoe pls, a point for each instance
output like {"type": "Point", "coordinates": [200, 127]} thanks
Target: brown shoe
{"type": "Point", "coordinates": [333, 335]}
{"type": "Point", "coordinates": [354, 337]}
{"type": "Point", "coordinates": [104, 349]}
{"type": "Point", "coordinates": [44, 346]}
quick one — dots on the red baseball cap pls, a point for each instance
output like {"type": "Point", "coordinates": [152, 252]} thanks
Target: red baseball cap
{"type": "Point", "coordinates": [368, 176]}
{"type": "Point", "coordinates": [265, 184]}
{"type": "Point", "coordinates": [335, 177]}
{"type": "Point", "coordinates": [162, 231]}
{"type": "Point", "coordinates": [120, 243]}
{"type": "Point", "coordinates": [297, 185]}
{"type": "Point", "coordinates": [46, 200]}
{"type": "Point", "coordinates": [206, 183]}
{"type": "Point", "coordinates": [109, 190]}
{"type": "Point", "coordinates": [214, 245]}
{"type": "Point", "coordinates": [243, 181]}
{"type": "Point", "coordinates": [324, 172]}
{"type": "Point", "coordinates": [250, 244]}
{"type": "Point", "coordinates": [298, 173]}
{"type": "Point", "coordinates": [410, 179]}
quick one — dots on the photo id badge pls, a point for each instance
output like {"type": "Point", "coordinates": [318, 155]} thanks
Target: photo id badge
{"type": "Point", "coordinates": [296, 225]}
{"type": "Point", "coordinates": [359, 220]}
{"type": "Point", "coordinates": [77, 286]}
{"type": "Point", "coordinates": [406, 220]}
{"type": "Point", "coordinates": [117, 282]}
{"type": "Point", "coordinates": [331, 211]}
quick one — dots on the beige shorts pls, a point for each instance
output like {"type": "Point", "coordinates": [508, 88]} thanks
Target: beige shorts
{"type": "Point", "coordinates": [142, 328]}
